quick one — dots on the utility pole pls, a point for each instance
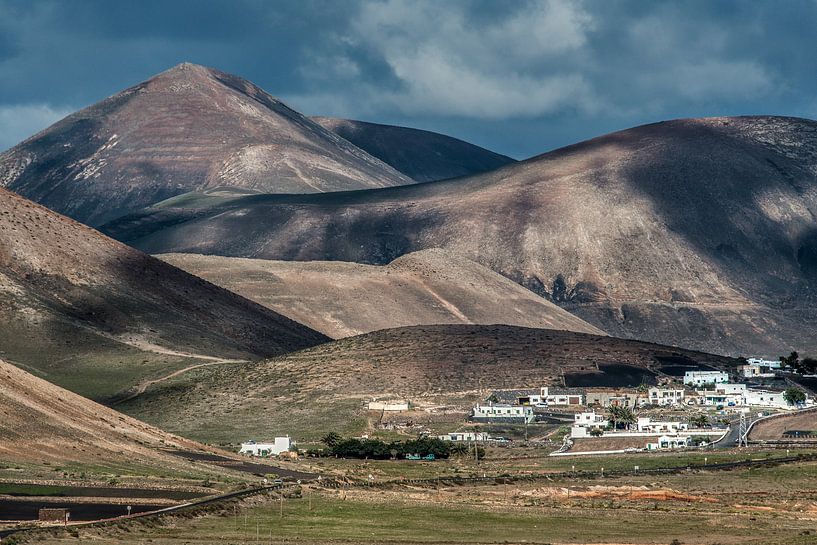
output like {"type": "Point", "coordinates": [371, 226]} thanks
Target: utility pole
{"type": "Point", "coordinates": [743, 440]}
{"type": "Point", "coordinates": [282, 504]}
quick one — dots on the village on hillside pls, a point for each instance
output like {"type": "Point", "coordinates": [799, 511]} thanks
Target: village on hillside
{"type": "Point", "coordinates": [697, 409]}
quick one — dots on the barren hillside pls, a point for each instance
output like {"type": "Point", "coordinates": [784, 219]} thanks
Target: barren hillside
{"type": "Point", "coordinates": [96, 316]}
{"type": "Point", "coordinates": [44, 423]}
{"type": "Point", "coordinates": [342, 299]}
{"type": "Point", "coordinates": [188, 128]}
{"type": "Point", "coordinates": [424, 156]}
{"type": "Point", "coordinates": [324, 388]}
{"type": "Point", "coordinates": [696, 232]}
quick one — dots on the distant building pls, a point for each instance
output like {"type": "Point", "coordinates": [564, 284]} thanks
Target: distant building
{"type": "Point", "coordinates": [700, 378]}
{"type": "Point", "coordinates": [590, 420]}
{"type": "Point", "coordinates": [755, 371]}
{"type": "Point", "coordinates": [771, 364]}
{"type": "Point", "coordinates": [279, 445]}
{"type": "Point", "coordinates": [721, 399]}
{"type": "Point", "coordinates": [731, 388]}
{"type": "Point", "coordinates": [617, 398]}
{"type": "Point", "coordinates": [545, 396]}
{"type": "Point", "coordinates": [459, 436]}
{"type": "Point", "coordinates": [645, 424]}
{"type": "Point", "coordinates": [763, 398]}
{"type": "Point", "coordinates": [665, 396]}
{"type": "Point", "coordinates": [667, 442]}
{"type": "Point", "coordinates": [502, 413]}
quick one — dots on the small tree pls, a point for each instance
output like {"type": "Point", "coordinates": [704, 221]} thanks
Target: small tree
{"type": "Point", "coordinates": [808, 366]}
{"type": "Point", "coordinates": [331, 439]}
{"type": "Point", "coordinates": [791, 361]}
{"type": "Point", "coordinates": [794, 396]}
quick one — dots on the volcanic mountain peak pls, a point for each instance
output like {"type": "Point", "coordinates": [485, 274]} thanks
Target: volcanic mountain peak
{"type": "Point", "coordinates": [693, 232]}
{"type": "Point", "coordinates": [188, 128]}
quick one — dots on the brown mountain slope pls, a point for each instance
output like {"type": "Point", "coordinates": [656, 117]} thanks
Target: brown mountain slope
{"type": "Point", "coordinates": [324, 388]}
{"type": "Point", "coordinates": [42, 422]}
{"type": "Point", "coordinates": [423, 156]}
{"type": "Point", "coordinates": [96, 316]}
{"type": "Point", "coordinates": [188, 128]}
{"type": "Point", "coordinates": [695, 232]}
{"type": "Point", "coordinates": [342, 299]}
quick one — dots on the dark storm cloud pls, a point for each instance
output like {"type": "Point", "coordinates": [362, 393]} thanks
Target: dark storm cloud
{"type": "Point", "coordinates": [519, 77]}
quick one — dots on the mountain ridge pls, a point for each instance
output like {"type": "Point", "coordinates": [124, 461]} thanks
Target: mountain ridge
{"type": "Point", "coordinates": [75, 304]}
{"type": "Point", "coordinates": [341, 299]}
{"type": "Point", "coordinates": [190, 127]}
{"type": "Point", "coordinates": [698, 232]}
{"type": "Point", "coordinates": [422, 155]}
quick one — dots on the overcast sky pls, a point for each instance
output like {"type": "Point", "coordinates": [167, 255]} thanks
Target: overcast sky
{"type": "Point", "coordinates": [518, 77]}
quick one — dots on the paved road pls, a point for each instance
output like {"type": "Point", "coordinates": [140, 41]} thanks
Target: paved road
{"type": "Point", "coordinates": [731, 438]}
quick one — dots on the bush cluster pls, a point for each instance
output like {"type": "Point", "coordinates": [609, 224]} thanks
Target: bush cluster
{"type": "Point", "coordinates": [376, 449]}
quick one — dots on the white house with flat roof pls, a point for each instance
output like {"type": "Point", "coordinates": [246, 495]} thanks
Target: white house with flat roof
{"type": "Point", "coordinates": [665, 396]}
{"type": "Point", "coordinates": [279, 445]}
{"type": "Point", "coordinates": [773, 364]}
{"type": "Point", "coordinates": [502, 413]}
{"type": "Point", "coordinates": [699, 378]}
{"type": "Point", "coordinates": [590, 420]}
{"type": "Point", "coordinates": [464, 436]}
{"type": "Point", "coordinates": [668, 442]}
{"type": "Point", "coordinates": [764, 398]}
{"type": "Point", "coordinates": [648, 425]}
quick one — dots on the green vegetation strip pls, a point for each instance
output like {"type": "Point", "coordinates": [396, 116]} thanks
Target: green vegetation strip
{"type": "Point", "coordinates": [588, 473]}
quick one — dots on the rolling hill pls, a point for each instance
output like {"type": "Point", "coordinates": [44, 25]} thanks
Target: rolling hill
{"type": "Point", "coordinates": [423, 156]}
{"type": "Point", "coordinates": [342, 299]}
{"type": "Point", "coordinates": [693, 232]}
{"type": "Point", "coordinates": [42, 423]}
{"type": "Point", "coordinates": [185, 129]}
{"type": "Point", "coordinates": [96, 316]}
{"type": "Point", "coordinates": [448, 367]}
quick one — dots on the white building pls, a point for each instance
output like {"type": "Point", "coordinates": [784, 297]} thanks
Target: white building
{"type": "Point", "coordinates": [280, 444]}
{"type": "Point", "coordinates": [763, 398]}
{"type": "Point", "coordinates": [699, 378]}
{"type": "Point", "coordinates": [715, 398]}
{"type": "Point", "coordinates": [503, 413]}
{"type": "Point", "coordinates": [646, 425]}
{"type": "Point", "coordinates": [590, 420]}
{"type": "Point", "coordinates": [772, 364]}
{"type": "Point", "coordinates": [665, 396]}
{"type": "Point", "coordinates": [666, 442]}
{"type": "Point", "coordinates": [464, 436]}
{"type": "Point", "coordinates": [755, 371]}
{"type": "Point", "coordinates": [731, 388]}
{"type": "Point", "coordinates": [552, 396]}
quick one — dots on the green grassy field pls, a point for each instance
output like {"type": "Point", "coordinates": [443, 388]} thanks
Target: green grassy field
{"type": "Point", "coordinates": [326, 518]}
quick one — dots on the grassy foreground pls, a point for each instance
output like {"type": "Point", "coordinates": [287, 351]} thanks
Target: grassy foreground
{"type": "Point", "coordinates": [333, 519]}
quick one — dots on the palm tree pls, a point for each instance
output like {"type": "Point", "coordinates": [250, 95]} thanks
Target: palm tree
{"type": "Point", "coordinates": [621, 415]}
{"type": "Point", "coordinates": [699, 421]}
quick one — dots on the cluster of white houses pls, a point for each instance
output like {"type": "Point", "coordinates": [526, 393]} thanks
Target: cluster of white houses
{"type": "Point", "coordinates": [707, 388]}
{"type": "Point", "coordinates": [657, 434]}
